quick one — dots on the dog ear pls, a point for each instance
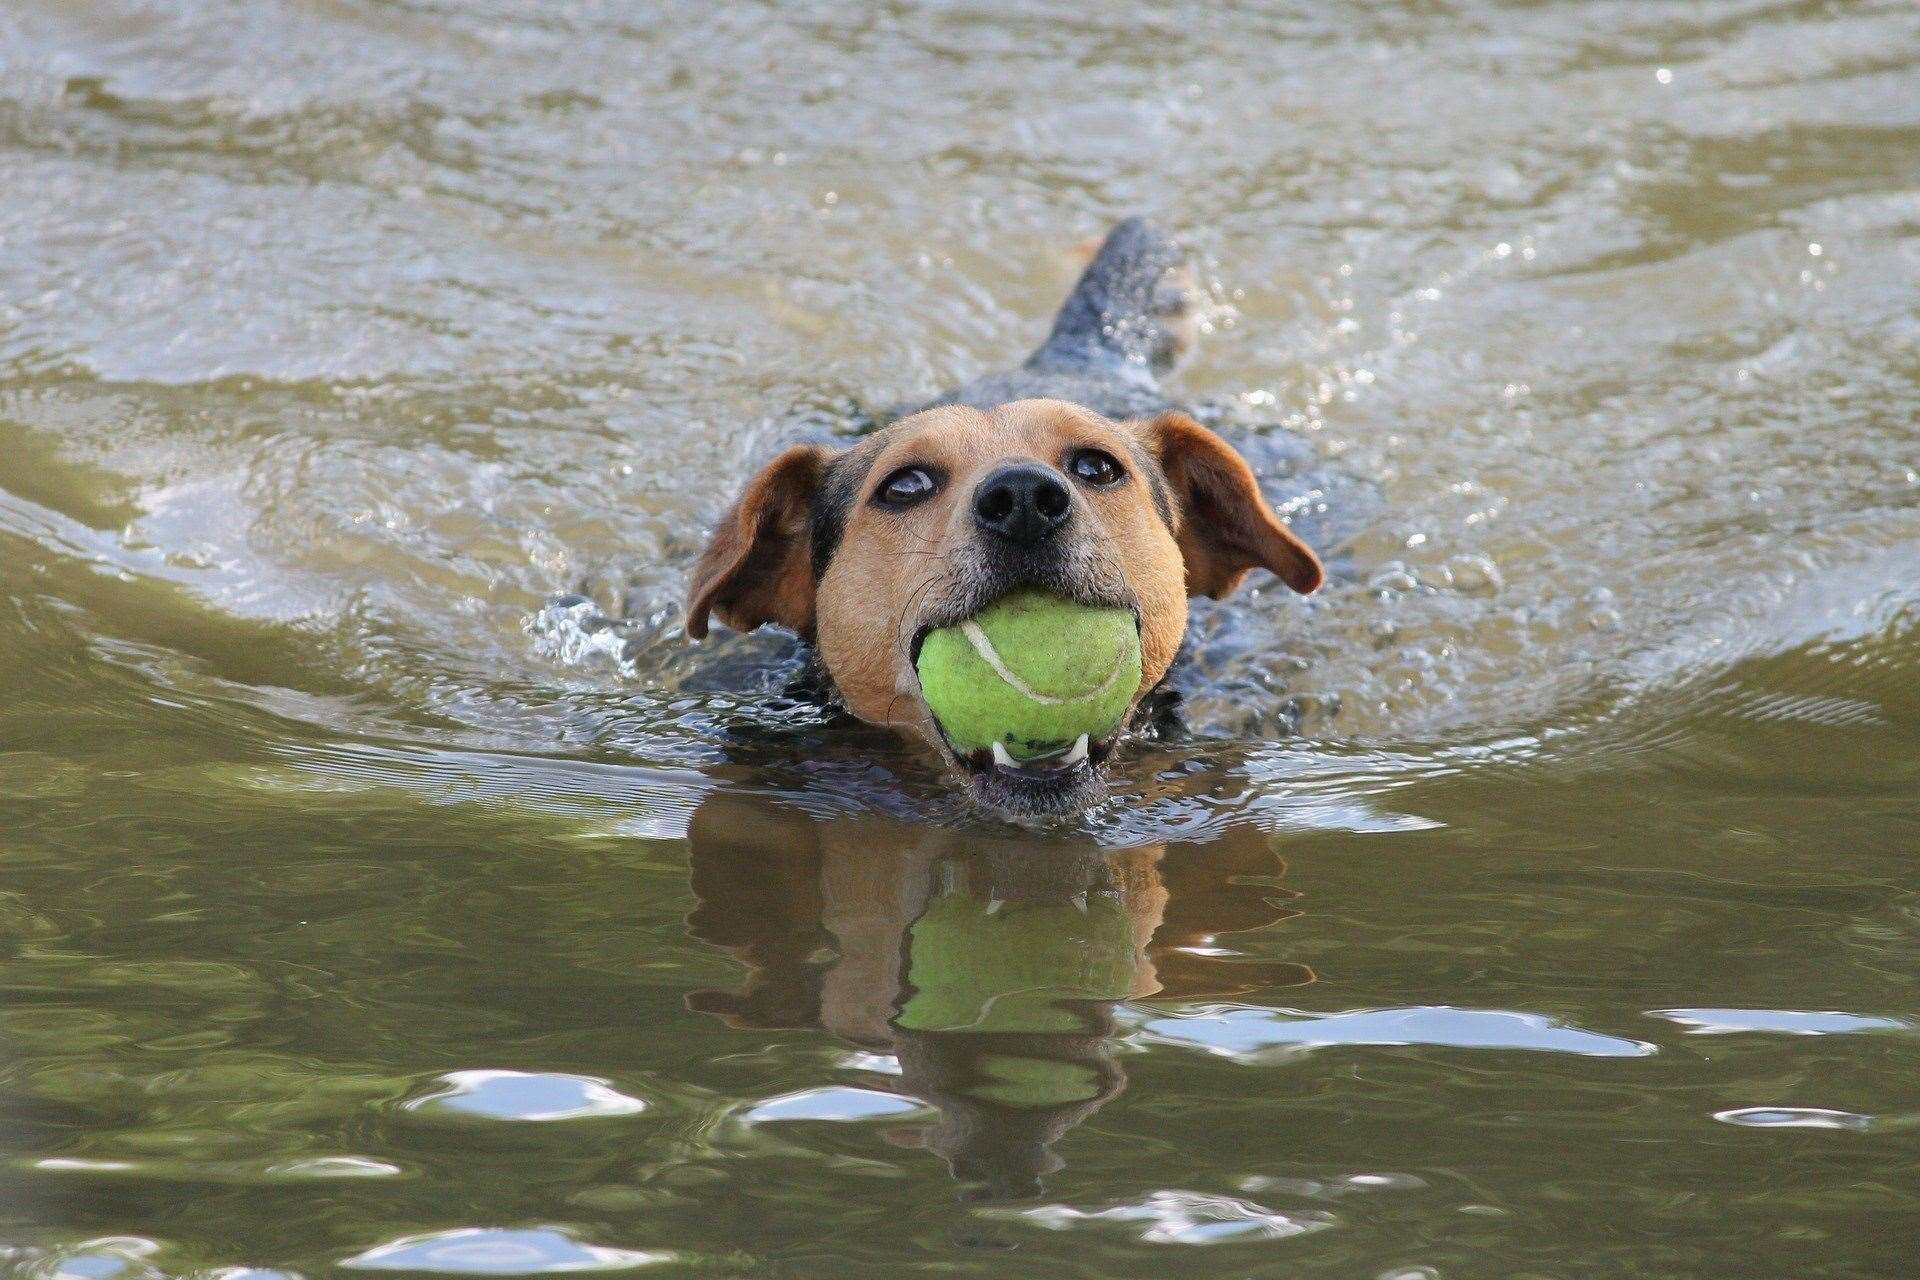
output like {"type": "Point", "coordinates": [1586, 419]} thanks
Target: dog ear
{"type": "Point", "coordinates": [758, 566]}
{"type": "Point", "coordinates": [1223, 525]}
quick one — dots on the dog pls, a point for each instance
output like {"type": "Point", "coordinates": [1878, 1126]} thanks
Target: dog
{"type": "Point", "coordinates": [1071, 475]}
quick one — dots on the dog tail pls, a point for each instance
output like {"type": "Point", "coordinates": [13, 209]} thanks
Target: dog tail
{"type": "Point", "coordinates": [1132, 312]}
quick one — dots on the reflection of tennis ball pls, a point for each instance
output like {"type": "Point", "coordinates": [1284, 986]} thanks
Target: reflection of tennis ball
{"type": "Point", "coordinates": [1034, 1080]}
{"type": "Point", "coordinates": [1024, 967]}
{"type": "Point", "coordinates": [1032, 673]}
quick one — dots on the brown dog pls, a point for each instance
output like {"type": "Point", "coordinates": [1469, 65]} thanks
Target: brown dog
{"type": "Point", "coordinates": [933, 518]}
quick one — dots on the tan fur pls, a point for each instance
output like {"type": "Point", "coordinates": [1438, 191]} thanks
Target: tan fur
{"type": "Point", "coordinates": [891, 565]}
{"type": "Point", "coordinates": [755, 568]}
{"type": "Point", "coordinates": [1226, 527]}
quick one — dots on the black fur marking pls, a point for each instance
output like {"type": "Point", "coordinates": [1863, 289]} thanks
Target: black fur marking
{"type": "Point", "coordinates": [839, 490]}
{"type": "Point", "coordinates": [1149, 467]}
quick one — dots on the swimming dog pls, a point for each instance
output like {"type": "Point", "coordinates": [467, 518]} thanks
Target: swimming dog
{"type": "Point", "coordinates": [1071, 475]}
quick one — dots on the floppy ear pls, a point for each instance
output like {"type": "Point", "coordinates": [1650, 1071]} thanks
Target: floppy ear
{"type": "Point", "coordinates": [1223, 525]}
{"type": "Point", "coordinates": [758, 566]}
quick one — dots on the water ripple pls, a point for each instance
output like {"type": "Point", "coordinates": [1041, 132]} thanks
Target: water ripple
{"type": "Point", "coordinates": [1186, 1217]}
{"type": "Point", "coordinates": [525, 1095]}
{"type": "Point", "coordinates": [1256, 1034]}
{"type": "Point", "coordinates": [1793, 1118]}
{"type": "Point", "coordinates": [497, 1251]}
{"type": "Point", "coordinates": [1786, 1022]}
{"type": "Point", "coordinates": [833, 1102]}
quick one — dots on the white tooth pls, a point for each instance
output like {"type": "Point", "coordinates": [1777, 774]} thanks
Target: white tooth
{"type": "Point", "coordinates": [1001, 758]}
{"type": "Point", "coordinates": [1078, 753]}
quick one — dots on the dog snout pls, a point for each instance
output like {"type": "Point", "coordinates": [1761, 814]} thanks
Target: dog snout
{"type": "Point", "coordinates": [1024, 504]}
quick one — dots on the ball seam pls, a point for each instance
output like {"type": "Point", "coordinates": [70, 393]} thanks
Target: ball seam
{"type": "Point", "coordinates": [982, 645]}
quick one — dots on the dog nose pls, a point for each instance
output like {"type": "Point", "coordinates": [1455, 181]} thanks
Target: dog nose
{"type": "Point", "coordinates": [1023, 503]}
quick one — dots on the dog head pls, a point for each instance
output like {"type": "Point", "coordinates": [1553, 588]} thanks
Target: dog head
{"type": "Point", "coordinates": [927, 522]}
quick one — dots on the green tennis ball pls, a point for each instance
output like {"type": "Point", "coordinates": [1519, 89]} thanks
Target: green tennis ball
{"type": "Point", "coordinates": [1032, 672]}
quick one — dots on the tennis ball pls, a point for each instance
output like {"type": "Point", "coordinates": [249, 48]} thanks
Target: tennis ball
{"type": "Point", "coordinates": [1032, 673]}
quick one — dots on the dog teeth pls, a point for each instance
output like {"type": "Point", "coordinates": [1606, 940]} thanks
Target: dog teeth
{"type": "Point", "coordinates": [1074, 755]}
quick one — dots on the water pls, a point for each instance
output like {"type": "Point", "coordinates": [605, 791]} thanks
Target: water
{"type": "Point", "coordinates": [1535, 902]}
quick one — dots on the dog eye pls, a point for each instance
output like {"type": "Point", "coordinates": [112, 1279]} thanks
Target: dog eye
{"type": "Point", "coordinates": [1096, 468]}
{"type": "Point", "coordinates": [905, 487]}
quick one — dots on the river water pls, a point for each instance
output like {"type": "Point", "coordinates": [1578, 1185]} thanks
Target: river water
{"type": "Point", "coordinates": [1536, 902]}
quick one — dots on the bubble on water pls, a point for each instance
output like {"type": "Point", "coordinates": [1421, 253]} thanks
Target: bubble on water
{"type": "Point", "coordinates": [1393, 578]}
{"type": "Point", "coordinates": [1475, 575]}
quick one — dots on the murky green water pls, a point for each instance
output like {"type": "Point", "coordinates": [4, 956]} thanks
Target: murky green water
{"type": "Point", "coordinates": [1539, 901]}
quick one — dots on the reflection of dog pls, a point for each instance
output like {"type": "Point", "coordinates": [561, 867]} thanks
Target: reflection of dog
{"type": "Point", "coordinates": [1069, 475]}
{"type": "Point", "coordinates": [990, 968]}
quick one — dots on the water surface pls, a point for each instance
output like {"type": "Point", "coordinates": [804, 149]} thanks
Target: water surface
{"type": "Point", "coordinates": [1537, 901]}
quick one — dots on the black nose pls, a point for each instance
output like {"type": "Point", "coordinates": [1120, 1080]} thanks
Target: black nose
{"type": "Point", "coordinates": [1023, 503]}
